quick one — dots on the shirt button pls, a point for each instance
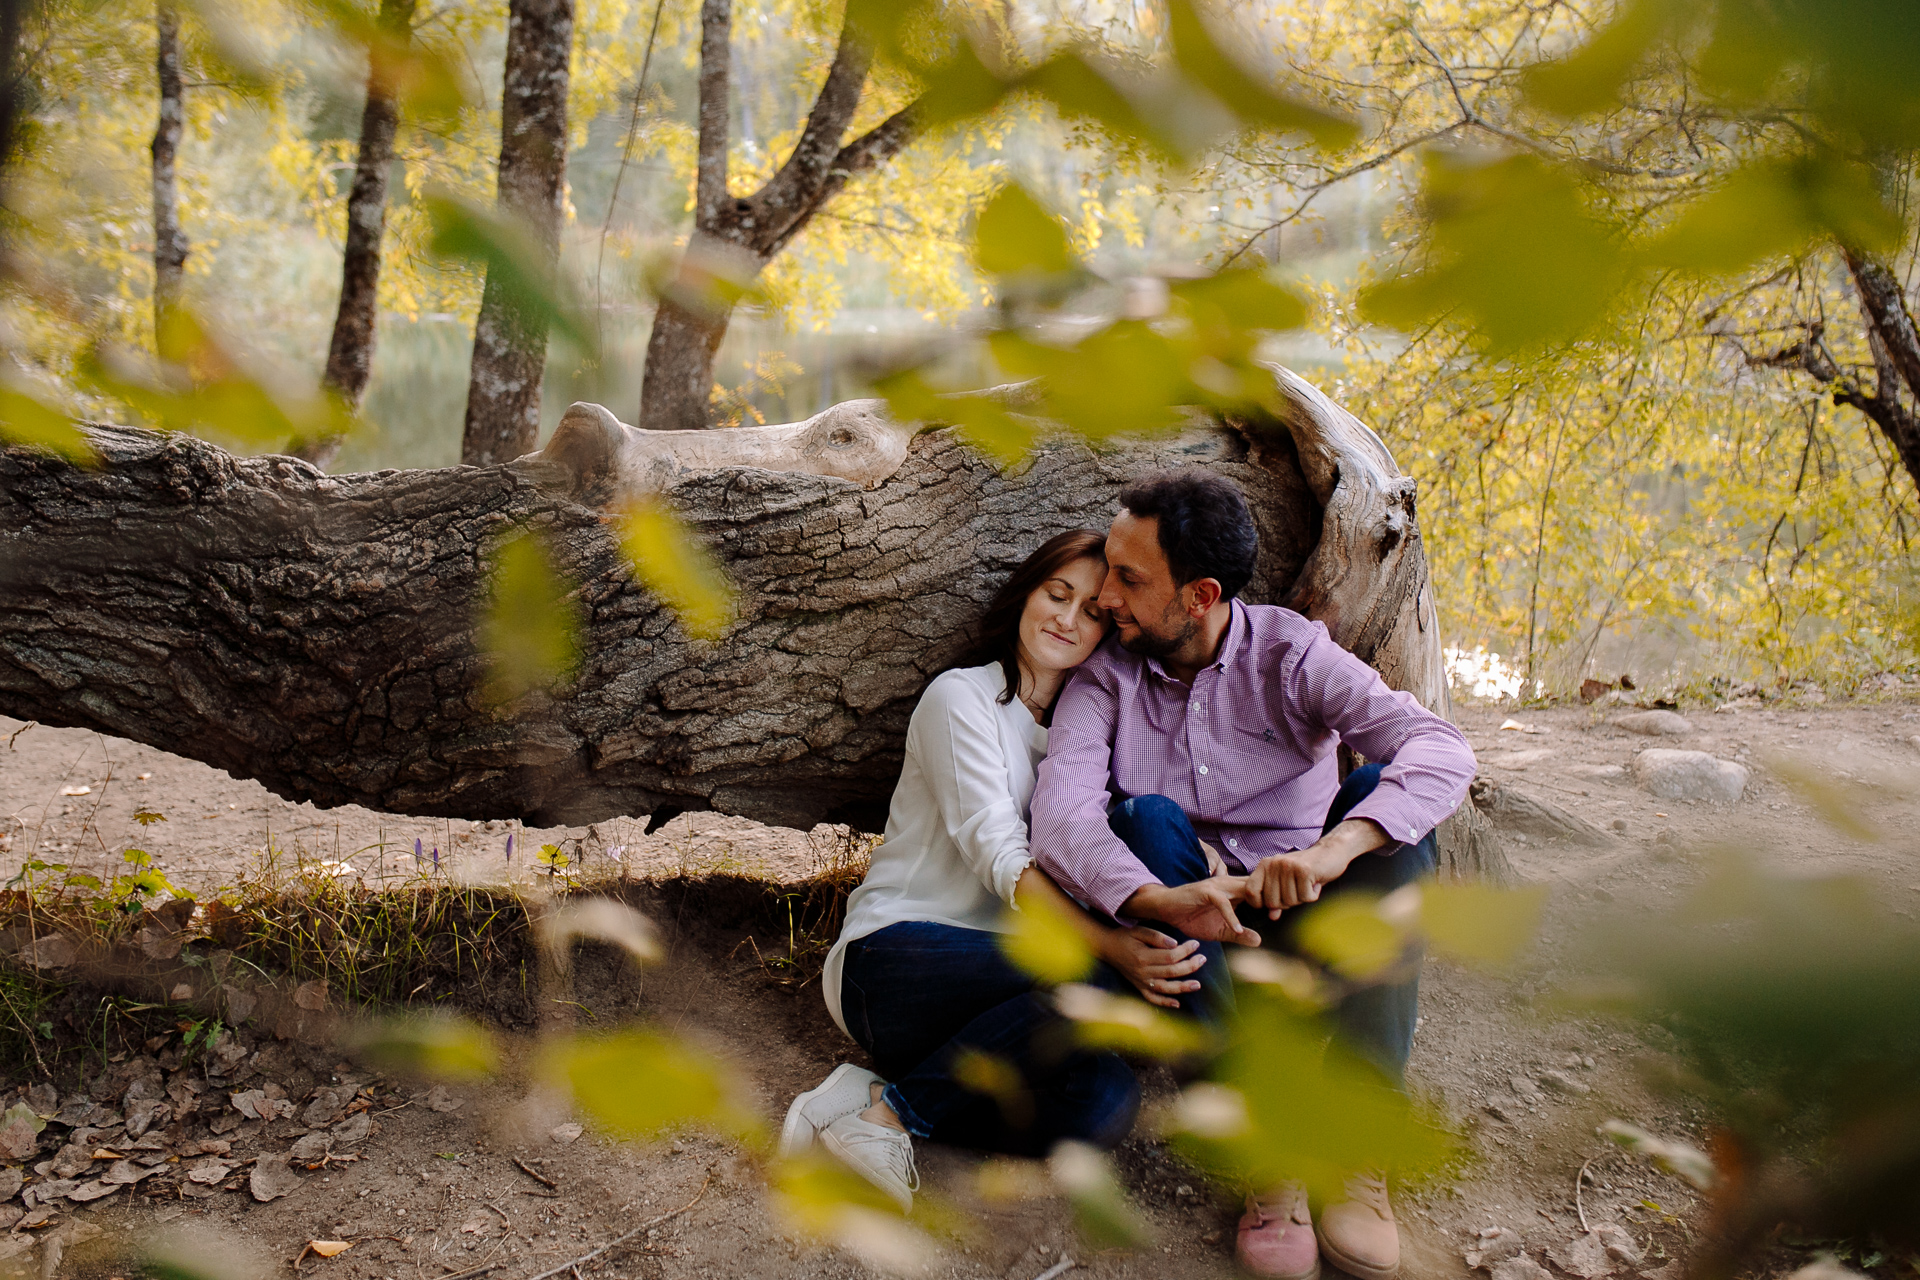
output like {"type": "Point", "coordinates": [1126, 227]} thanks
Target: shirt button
{"type": "Point", "coordinates": [1233, 844]}
{"type": "Point", "coordinates": [1203, 768]}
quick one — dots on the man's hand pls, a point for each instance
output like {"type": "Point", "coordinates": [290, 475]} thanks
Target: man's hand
{"type": "Point", "coordinates": [1203, 909]}
{"type": "Point", "coordinates": [1295, 879]}
{"type": "Point", "coordinates": [1155, 964]}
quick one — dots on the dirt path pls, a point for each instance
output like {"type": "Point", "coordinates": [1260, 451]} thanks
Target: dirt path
{"type": "Point", "coordinates": [437, 1193]}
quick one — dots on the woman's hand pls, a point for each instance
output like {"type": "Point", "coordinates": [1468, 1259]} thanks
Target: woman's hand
{"type": "Point", "coordinates": [1155, 964]}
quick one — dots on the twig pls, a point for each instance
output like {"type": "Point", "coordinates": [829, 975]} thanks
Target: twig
{"type": "Point", "coordinates": [537, 1176]}
{"type": "Point", "coordinates": [1578, 1207]}
{"type": "Point", "coordinates": [502, 1212]}
{"type": "Point", "coordinates": [585, 1258]}
{"type": "Point", "coordinates": [390, 1110]}
{"type": "Point", "coordinates": [1057, 1270]}
{"type": "Point", "coordinates": [17, 732]}
{"type": "Point", "coordinates": [544, 1195]}
{"type": "Point", "coordinates": [480, 1270]}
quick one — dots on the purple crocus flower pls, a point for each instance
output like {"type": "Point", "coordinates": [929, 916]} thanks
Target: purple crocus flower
{"type": "Point", "coordinates": [436, 857]}
{"type": "Point", "coordinates": [509, 846]}
{"type": "Point", "coordinates": [418, 854]}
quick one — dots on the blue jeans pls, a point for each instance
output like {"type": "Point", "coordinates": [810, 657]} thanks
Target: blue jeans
{"type": "Point", "coordinates": [1374, 1021]}
{"type": "Point", "coordinates": [923, 998]}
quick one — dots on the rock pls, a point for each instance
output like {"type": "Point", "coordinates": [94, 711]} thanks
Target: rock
{"type": "Point", "coordinates": [1619, 825]}
{"type": "Point", "coordinates": [1655, 724]}
{"type": "Point", "coordinates": [1620, 1246]}
{"type": "Point", "coordinates": [1585, 1256]}
{"type": "Point", "coordinates": [1592, 690]}
{"type": "Point", "coordinates": [54, 951]}
{"type": "Point", "coordinates": [440, 1098]}
{"type": "Point", "coordinates": [1520, 1268]}
{"type": "Point", "coordinates": [273, 1177]}
{"type": "Point", "coordinates": [1524, 1086]}
{"type": "Point", "coordinates": [1825, 1267]}
{"type": "Point", "coordinates": [312, 1148]}
{"type": "Point", "coordinates": [1498, 1112]}
{"type": "Point", "coordinates": [1494, 1246]}
{"type": "Point", "coordinates": [1566, 1084]}
{"type": "Point", "coordinates": [1689, 775]}
{"type": "Point", "coordinates": [354, 1128]}
{"type": "Point", "coordinates": [565, 1133]}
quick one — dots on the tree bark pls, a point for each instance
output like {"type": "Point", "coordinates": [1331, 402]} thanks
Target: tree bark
{"type": "Point", "coordinates": [350, 353]}
{"type": "Point", "coordinates": [169, 241]}
{"type": "Point", "coordinates": [509, 343]}
{"type": "Point", "coordinates": [318, 633]}
{"type": "Point", "coordinates": [737, 236]}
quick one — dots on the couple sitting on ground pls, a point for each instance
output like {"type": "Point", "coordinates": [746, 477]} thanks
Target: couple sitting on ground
{"type": "Point", "coordinates": [1183, 788]}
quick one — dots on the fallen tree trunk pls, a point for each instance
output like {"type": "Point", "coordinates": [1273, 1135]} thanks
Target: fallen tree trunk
{"type": "Point", "coordinates": [318, 632]}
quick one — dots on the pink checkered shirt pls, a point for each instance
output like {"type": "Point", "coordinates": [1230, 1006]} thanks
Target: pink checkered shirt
{"type": "Point", "coordinates": [1247, 752]}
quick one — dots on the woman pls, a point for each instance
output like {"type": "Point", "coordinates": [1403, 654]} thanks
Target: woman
{"type": "Point", "coordinates": [976, 1055]}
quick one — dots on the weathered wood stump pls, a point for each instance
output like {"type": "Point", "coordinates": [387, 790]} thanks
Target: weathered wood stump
{"type": "Point", "coordinates": [318, 632]}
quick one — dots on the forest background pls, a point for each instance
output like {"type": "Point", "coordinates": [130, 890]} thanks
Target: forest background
{"type": "Point", "coordinates": [1661, 490]}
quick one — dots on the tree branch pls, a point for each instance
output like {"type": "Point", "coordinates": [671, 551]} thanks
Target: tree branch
{"type": "Point", "coordinates": [716, 66]}
{"type": "Point", "coordinates": [797, 185]}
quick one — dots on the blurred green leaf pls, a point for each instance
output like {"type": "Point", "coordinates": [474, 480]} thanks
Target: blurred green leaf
{"type": "Point", "coordinates": [1015, 235]}
{"type": "Point", "coordinates": [424, 79]}
{"type": "Point", "coordinates": [443, 1047]}
{"type": "Point", "coordinates": [981, 418]}
{"type": "Point", "coordinates": [1080, 89]}
{"type": "Point", "coordinates": [1213, 70]}
{"type": "Point", "coordinates": [642, 1084]}
{"type": "Point", "coordinates": [25, 421]}
{"type": "Point", "coordinates": [514, 261]}
{"type": "Point", "coordinates": [1041, 941]}
{"type": "Point", "coordinates": [1085, 1176]}
{"type": "Point", "coordinates": [1285, 1104]}
{"type": "Point", "coordinates": [1513, 251]}
{"type": "Point", "coordinates": [1682, 1160]}
{"type": "Point", "coordinates": [1841, 806]}
{"type": "Point", "coordinates": [1125, 1024]}
{"type": "Point", "coordinates": [960, 87]}
{"type": "Point", "coordinates": [1480, 923]}
{"type": "Point", "coordinates": [1589, 79]}
{"type": "Point", "coordinates": [994, 1077]}
{"type": "Point", "coordinates": [1350, 934]}
{"type": "Point", "coordinates": [601, 920]}
{"type": "Point", "coordinates": [1123, 379]}
{"type": "Point", "coordinates": [823, 1199]}
{"type": "Point", "coordinates": [1241, 298]}
{"type": "Point", "coordinates": [1774, 207]}
{"type": "Point", "coordinates": [530, 631]}
{"type": "Point", "coordinates": [670, 561]}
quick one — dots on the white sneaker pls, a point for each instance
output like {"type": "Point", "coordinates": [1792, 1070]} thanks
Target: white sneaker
{"type": "Point", "coordinates": [845, 1092]}
{"type": "Point", "coordinates": [879, 1153]}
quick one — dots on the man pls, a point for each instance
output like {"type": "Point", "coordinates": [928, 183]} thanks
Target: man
{"type": "Point", "coordinates": [1205, 718]}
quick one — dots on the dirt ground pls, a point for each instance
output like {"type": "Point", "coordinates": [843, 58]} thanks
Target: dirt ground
{"type": "Point", "coordinates": [436, 1193]}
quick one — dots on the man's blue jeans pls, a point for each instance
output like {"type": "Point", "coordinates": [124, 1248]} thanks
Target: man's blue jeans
{"type": "Point", "coordinates": [923, 997]}
{"type": "Point", "coordinates": [1377, 1021]}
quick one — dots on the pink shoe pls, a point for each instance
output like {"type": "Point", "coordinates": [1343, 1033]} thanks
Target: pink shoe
{"type": "Point", "coordinates": [1276, 1236]}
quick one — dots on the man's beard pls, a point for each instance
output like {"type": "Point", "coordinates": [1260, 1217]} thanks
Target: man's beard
{"type": "Point", "coordinates": [1155, 644]}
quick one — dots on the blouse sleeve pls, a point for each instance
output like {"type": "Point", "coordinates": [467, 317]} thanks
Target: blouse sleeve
{"type": "Point", "coordinates": [955, 737]}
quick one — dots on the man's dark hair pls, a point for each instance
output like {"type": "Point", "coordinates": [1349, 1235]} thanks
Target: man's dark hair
{"type": "Point", "coordinates": [1206, 530]}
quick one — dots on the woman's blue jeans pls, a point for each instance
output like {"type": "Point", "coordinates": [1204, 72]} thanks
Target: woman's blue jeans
{"type": "Point", "coordinates": [976, 1055]}
{"type": "Point", "coordinates": [1374, 1021]}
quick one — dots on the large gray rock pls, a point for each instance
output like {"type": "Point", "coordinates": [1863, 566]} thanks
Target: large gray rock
{"type": "Point", "coordinates": [1655, 724]}
{"type": "Point", "coordinates": [1689, 775]}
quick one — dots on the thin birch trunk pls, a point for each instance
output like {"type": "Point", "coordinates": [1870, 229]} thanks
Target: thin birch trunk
{"type": "Point", "coordinates": [169, 241]}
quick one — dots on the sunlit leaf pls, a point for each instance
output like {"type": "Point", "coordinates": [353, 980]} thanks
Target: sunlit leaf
{"type": "Point", "coordinates": [1292, 1106]}
{"type": "Point", "coordinates": [823, 1199]}
{"type": "Point", "coordinates": [26, 421]}
{"type": "Point", "coordinates": [1291, 976]}
{"type": "Point", "coordinates": [1042, 941]}
{"type": "Point", "coordinates": [1351, 935]}
{"type": "Point", "coordinates": [514, 261]}
{"type": "Point", "coordinates": [642, 1084]}
{"type": "Point", "coordinates": [1513, 252]}
{"type": "Point", "coordinates": [147, 817]}
{"type": "Point", "coordinates": [1105, 1020]}
{"type": "Point", "coordinates": [1085, 1176]}
{"type": "Point", "coordinates": [671, 562]}
{"type": "Point", "coordinates": [1774, 207]}
{"type": "Point", "coordinates": [530, 631]}
{"type": "Point", "coordinates": [1212, 69]}
{"type": "Point", "coordinates": [1480, 923]}
{"type": "Point", "coordinates": [438, 1046]}
{"type": "Point", "coordinates": [1016, 235]}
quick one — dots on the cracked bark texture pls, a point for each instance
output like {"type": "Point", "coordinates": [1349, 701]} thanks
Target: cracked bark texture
{"type": "Point", "coordinates": [317, 633]}
{"type": "Point", "coordinates": [509, 341]}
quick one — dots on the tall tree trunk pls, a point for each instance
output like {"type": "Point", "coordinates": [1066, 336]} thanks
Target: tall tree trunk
{"type": "Point", "coordinates": [509, 343]}
{"type": "Point", "coordinates": [299, 629]}
{"type": "Point", "coordinates": [350, 354]}
{"type": "Point", "coordinates": [169, 242]}
{"type": "Point", "coordinates": [739, 235]}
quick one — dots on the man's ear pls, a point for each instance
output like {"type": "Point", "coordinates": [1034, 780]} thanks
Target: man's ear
{"type": "Point", "coordinates": [1204, 594]}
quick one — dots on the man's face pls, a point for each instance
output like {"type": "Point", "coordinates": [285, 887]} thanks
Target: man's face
{"type": "Point", "coordinates": [1149, 612]}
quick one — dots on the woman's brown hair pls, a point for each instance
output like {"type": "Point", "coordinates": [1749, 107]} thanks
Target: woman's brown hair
{"type": "Point", "coordinates": [996, 637]}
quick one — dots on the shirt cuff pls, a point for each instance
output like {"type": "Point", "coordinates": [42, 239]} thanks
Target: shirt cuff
{"type": "Point", "coordinates": [1396, 815]}
{"type": "Point", "coordinates": [1008, 878]}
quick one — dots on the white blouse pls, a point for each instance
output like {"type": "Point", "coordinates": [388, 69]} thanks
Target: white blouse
{"type": "Point", "coordinates": [956, 838]}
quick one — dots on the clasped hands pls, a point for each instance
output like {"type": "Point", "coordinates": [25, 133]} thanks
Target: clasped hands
{"type": "Point", "coordinates": [1207, 909]}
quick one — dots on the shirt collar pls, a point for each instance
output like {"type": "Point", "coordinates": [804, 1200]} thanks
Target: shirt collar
{"type": "Point", "coordinates": [1230, 644]}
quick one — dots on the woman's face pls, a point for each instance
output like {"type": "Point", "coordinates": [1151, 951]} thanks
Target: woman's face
{"type": "Point", "coordinates": [1062, 623]}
